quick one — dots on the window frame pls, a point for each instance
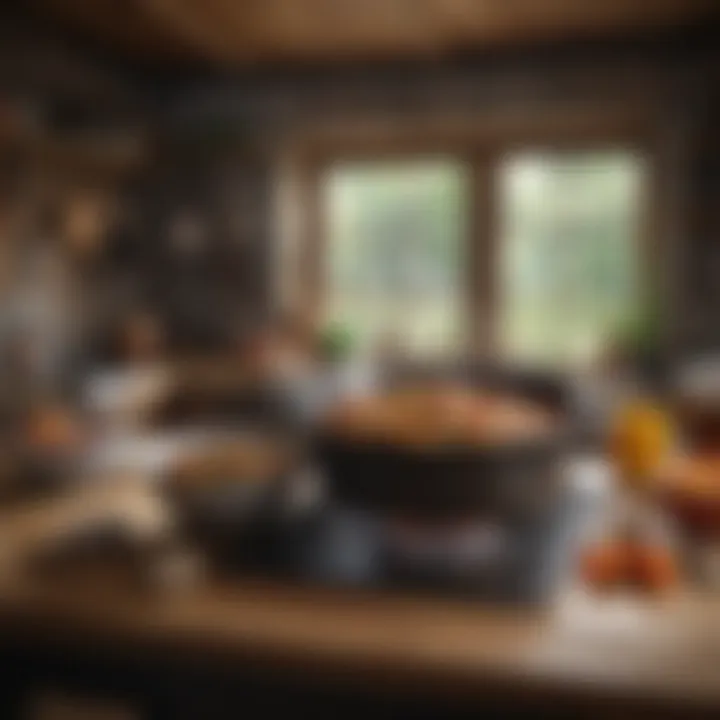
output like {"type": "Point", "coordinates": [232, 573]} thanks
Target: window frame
{"type": "Point", "coordinates": [480, 142]}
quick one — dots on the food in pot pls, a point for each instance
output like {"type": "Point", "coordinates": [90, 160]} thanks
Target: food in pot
{"type": "Point", "coordinates": [439, 416]}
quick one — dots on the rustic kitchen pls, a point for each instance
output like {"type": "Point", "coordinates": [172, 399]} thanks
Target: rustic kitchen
{"type": "Point", "coordinates": [359, 357]}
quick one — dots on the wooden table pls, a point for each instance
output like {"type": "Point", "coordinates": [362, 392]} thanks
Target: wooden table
{"type": "Point", "coordinates": [589, 652]}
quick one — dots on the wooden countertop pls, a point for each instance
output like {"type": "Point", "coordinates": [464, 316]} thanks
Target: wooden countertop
{"type": "Point", "coordinates": [622, 649]}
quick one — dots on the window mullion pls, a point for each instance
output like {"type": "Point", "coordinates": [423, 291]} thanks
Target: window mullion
{"type": "Point", "coordinates": [482, 279]}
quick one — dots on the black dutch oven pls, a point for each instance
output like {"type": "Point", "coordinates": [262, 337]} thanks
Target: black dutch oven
{"type": "Point", "coordinates": [512, 479]}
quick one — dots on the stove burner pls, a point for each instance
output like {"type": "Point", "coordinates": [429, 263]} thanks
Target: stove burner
{"type": "Point", "coordinates": [489, 560]}
{"type": "Point", "coordinates": [465, 547]}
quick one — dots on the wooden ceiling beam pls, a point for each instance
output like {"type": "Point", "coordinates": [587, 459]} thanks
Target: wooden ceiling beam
{"type": "Point", "coordinates": [128, 25]}
{"type": "Point", "coordinates": [232, 32]}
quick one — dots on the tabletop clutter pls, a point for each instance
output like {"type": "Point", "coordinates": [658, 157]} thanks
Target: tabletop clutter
{"type": "Point", "coordinates": [431, 459]}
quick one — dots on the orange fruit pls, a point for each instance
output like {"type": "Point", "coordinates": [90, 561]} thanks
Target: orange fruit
{"type": "Point", "coordinates": [606, 565]}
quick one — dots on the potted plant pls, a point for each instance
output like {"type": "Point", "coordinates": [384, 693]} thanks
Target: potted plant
{"type": "Point", "coordinates": [336, 343]}
{"type": "Point", "coordinates": [639, 346]}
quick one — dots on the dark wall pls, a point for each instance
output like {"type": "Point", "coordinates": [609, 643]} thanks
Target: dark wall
{"type": "Point", "coordinates": [68, 86]}
{"type": "Point", "coordinates": [196, 250]}
{"type": "Point", "coordinates": [703, 271]}
{"type": "Point", "coordinates": [229, 133]}
{"type": "Point", "coordinates": [63, 110]}
{"type": "Point", "coordinates": [219, 138]}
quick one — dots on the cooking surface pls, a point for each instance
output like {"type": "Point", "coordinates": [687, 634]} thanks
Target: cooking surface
{"type": "Point", "coordinates": [312, 541]}
{"type": "Point", "coordinates": [487, 560]}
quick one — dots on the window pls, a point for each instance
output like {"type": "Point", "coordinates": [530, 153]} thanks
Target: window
{"type": "Point", "coordinates": [394, 252]}
{"type": "Point", "coordinates": [568, 251]}
{"type": "Point", "coordinates": [407, 254]}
